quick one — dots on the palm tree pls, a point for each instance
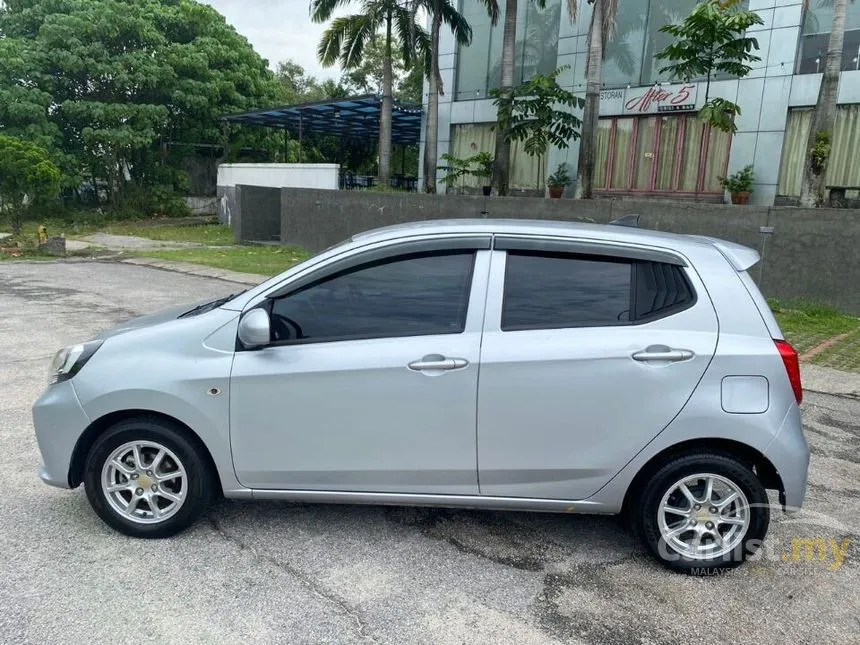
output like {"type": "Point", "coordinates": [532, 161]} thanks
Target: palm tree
{"type": "Point", "coordinates": [441, 12]}
{"type": "Point", "coordinates": [603, 19]}
{"type": "Point", "coordinates": [604, 15]}
{"type": "Point", "coordinates": [502, 157]}
{"type": "Point", "coordinates": [824, 114]}
{"type": "Point", "coordinates": [346, 37]}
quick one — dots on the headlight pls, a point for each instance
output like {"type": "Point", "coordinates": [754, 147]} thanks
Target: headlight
{"type": "Point", "coordinates": [69, 361]}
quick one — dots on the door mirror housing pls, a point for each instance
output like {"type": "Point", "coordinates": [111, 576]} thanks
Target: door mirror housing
{"type": "Point", "coordinates": [255, 329]}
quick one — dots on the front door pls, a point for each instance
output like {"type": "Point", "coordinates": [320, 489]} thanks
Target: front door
{"type": "Point", "coordinates": [370, 383]}
{"type": "Point", "coordinates": [584, 360]}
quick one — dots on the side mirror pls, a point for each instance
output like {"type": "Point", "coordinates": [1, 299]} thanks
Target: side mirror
{"type": "Point", "coordinates": [254, 329]}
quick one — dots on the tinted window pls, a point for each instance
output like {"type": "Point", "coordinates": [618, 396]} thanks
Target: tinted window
{"type": "Point", "coordinates": [551, 291]}
{"type": "Point", "coordinates": [546, 291]}
{"type": "Point", "coordinates": [408, 296]}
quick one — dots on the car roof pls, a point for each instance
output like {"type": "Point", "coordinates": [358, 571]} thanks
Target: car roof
{"type": "Point", "coordinates": [741, 257]}
{"type": "Point", "coordinates": [524, 227]}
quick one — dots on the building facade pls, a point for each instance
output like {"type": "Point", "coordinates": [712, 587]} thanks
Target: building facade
{"type": "Point", "coordinates": [649, 141]}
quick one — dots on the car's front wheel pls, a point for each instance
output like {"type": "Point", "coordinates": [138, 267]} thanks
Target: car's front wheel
{"type": "Point", "coordinates": [701, 513]}
{"type": "Point", "coordinates": [144, 478]}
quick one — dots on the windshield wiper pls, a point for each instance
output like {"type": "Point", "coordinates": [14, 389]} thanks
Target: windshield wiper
{"type": "Point", "coordinates": [209, 306]}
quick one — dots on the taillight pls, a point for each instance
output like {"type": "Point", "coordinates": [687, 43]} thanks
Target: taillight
{"type": "Point", "coordinates": [792, 367]}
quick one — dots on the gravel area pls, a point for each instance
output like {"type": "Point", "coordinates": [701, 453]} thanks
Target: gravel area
{"type": "Point", "coordinates": [270, 572]}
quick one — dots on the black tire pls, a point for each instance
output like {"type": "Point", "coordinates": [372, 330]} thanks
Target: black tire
{"type": "Point", "coordinates": [199, 480]}
{"type": "Point", "coordinates": [644, 511]}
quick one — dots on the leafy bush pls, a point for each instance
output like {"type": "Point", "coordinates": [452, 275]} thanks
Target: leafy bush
{"type": "Point", "coordinates": [152, 201]}
{"type": "Point", "coordinates": [561, 176]}
{"type": "Point", "coordinates": [479, 165]}
{"type": "Point", "coordinates": [740, 182]}
{"type": "Point", "coordinates": [27, 176]}
{"type": "Point", "coordinates": [539, 113]}
{"type": "Point", "coordinates": [820, 152]}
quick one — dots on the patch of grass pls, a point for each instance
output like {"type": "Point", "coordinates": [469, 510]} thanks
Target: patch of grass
{"type": "Point", "coordinates": [85, 223]}
{"type": "Point", "coordinates": [807, 325]}
{"type": "Point", "coordinates": [69, 228]}
{"type": "Point", "coordinates": [209, 234]}
{"type": "Point", "coordinates": [264, 260]}
{"type": "Point", "coordinates": [844, 355]}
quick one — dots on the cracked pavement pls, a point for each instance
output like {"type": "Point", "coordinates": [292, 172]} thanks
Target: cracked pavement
{"type": "Point", "coordinates": [271, 572]}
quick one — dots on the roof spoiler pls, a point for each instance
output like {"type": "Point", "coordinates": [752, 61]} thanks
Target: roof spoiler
{"type": "Point", "coordinates": [739, 256]}
{"type": "Point", "coordinates": [631, 220]}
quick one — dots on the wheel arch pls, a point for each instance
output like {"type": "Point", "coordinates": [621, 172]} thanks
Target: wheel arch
{"type": "Point", "coordinates": [99, 426]}
{"type": "Point", "coordinates": [754, 459]}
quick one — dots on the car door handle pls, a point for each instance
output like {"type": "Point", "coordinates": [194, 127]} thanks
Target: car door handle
{"type": "Point", "coordinates": [437, 362]}
{"type": "Point", "coordinates": [662, 353]}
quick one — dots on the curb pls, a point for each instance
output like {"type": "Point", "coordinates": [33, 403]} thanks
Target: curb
{"type": "Point", "coordinates": [199, 270]}
{"type": "Point", "coordinates": [826, 380]}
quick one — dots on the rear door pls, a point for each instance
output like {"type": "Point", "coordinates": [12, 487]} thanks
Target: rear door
{"type": "Point", "coordinates": [588, 352]}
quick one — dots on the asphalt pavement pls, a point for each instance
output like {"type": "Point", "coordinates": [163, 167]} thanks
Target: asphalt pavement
{"type": "Point", "coordinates": [269, 572]}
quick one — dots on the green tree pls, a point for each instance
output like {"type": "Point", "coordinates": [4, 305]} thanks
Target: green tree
{"type": "Point", "coordinates": [502, 157]}
{"type": "Point", "coordinates": [540, 113]}
{"type": "Point", "coordinates": [347, 38]}
{"type": "Point", "coordinates": [711, 41]}
{"type": "Point", "coordinates": [297, 86]}
{"type": "Point", "coordinates": [367, 77]}
{"type": "Point", "coordinates": [824, 114]}
{"type": "Point", "coordinates": [27, 176]}
{"type": "Point", "coordinates": [300, 87]}
{"type": "Point", "coordinates": [110, 86]}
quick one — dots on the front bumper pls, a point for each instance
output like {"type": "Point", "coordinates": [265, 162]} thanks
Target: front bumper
{"type": "Point", "coordinates": [789, 453]}
{"type": "Point", "coordinates": [59, 421]}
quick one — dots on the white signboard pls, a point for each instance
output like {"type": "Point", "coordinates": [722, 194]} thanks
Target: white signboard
{"type": "Point", "coordinates": [672, 98]}
{"type": "Point", "coordinates": [649, 100]}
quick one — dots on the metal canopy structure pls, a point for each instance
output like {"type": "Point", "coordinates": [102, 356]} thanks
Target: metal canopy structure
{"type": "Point", "coordinates": [347, 117]}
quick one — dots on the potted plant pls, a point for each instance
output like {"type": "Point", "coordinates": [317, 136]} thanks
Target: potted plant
{"type": "Point", "coordinates": [455, 170]}
{"type": "Point", "coordinates": [484, 170]}
{"type": "Point", "coordinates": [558, 181]}
{"type": "Point", "coordinates": [739, 184]}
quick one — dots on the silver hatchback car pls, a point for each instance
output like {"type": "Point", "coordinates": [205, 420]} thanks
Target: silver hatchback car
{"type": "Point", "coordinates": [515, 365]}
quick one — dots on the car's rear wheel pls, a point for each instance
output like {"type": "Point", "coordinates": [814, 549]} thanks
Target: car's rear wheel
{"type": "Point", "coordinates": [144, 478]}
{"type": "Point", "coordinates": [702, 512]}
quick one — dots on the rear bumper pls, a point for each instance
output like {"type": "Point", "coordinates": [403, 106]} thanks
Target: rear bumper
{"type": "Point", "coordinates": [59, 421]}
{"type": "Point", "coordinates": [789, 453]}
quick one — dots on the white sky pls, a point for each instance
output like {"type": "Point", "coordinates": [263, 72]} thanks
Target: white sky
{"type": "Point", "coordinates": [278, 29]}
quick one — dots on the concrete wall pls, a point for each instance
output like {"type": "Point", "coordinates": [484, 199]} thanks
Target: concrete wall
{"type": "Point", "coordinates": [227, 204]}
{"type": "Point", "coordinates": [279, 175]}
{"type": "Point", "coordinates": [271, 175]}
{"type": "Point", "coordinates": [257, 217]}
{"type": "Point", "coordinates": [202, 205]}
{"type": "Point", "coordinates": [813, 254]}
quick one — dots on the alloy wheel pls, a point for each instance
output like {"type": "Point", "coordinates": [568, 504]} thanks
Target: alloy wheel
{"type": "Point", "coordinates": [703, 516]}
{"type": "Point", "coordinates": [144, 482]}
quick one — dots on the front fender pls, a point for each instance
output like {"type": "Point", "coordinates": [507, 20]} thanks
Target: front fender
{"type": "Point", "coordinates": [209, 423]}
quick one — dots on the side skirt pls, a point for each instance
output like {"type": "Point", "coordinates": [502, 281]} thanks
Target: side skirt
{"type": "Point", "coordinates": [411, 499]}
